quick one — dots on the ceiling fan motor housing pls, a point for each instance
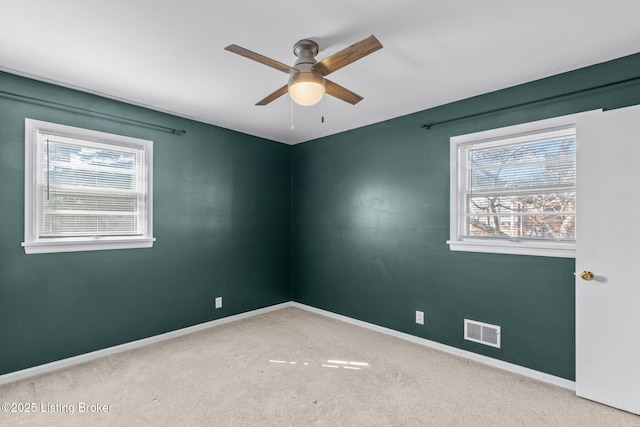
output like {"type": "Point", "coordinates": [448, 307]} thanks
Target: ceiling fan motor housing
{"type": "Point", "coordinates": [305, 50]}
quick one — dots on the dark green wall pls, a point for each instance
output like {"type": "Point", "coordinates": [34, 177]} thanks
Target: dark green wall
{"type": "Point", "coordinates": [221, 219]}
{"type": "Point", "coordinates": [371, 218]}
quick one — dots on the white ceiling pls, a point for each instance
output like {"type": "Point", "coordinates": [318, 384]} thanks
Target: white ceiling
{"type": "Point", "coordinates": [169, 55]}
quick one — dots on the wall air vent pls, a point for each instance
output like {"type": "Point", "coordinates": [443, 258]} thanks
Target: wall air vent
{"type": "Point", "coordinates": [482, 333]}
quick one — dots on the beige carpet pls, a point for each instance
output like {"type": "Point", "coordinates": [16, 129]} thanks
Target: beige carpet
{"type": "Point", "coordinates": [294, 368]}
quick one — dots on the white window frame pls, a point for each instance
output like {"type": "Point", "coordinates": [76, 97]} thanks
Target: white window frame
{"type": "Point", "coordinates": [457, 242]}
{"type": "Point", "coordinates": [34, 245]}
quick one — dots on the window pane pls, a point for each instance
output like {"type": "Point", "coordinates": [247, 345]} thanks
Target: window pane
{"type": "Point", "coordinates": [521, 190]}
{"type": "Point", "coordinates": [533, 216]}
{"type": "Point", "coordinates": [75, 225]}
{"type": "Point", "coordinates": [533, 164]}
{"type": "Point", "coordinates": [89, 190]}
{"type": "Point", "coordinates": [61, 200]}
{"type": "Point", "coordinates": [90, 167]}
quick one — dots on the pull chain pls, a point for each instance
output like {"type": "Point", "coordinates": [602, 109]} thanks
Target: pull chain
{"type": "Point", "coordinates": [322, 109]}
{"type": "Point", "coordinates": [48, 169]}
{"type": "Point", "coordinates": [292, 128]}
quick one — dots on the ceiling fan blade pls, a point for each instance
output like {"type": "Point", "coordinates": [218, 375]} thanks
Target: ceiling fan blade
{"type": "Point", "coordinates": [342, 93]}
{"type": "Point", "coordinates": [347, 55]}
{"type": "Point", "coordinates": [273, 96]}
{"type": "Point", "coordinates": [260, 58]}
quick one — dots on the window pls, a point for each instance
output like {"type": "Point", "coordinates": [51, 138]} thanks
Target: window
{"type": "Point", "coordinates": [86, 190]}
{"type": "Point", "coordinates": [513, 190]}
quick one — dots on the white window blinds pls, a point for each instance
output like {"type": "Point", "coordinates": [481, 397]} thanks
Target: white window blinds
{"type": "Point", "coordinates": [521, 187]}
{"type": "Point", "coordinates": [88, 188]}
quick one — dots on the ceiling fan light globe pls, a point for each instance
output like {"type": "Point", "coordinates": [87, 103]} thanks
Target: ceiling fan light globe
{"type": "Point", "coordinates": [306, 88]}
{"type": "Point", "coordinates": [306, 93]}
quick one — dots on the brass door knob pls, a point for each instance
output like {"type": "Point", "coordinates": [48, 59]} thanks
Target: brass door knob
{"type": "Point", "coordinates": [586, 275]}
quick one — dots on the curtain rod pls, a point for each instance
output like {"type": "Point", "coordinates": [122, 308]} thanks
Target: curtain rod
{"type": "Point", "coordinates": [90, 112]}
{"type": "Point", "coordinates": [522, 104]}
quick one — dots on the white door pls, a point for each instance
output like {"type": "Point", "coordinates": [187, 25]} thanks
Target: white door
{"type": "Point", "coordinates": [608, 245]}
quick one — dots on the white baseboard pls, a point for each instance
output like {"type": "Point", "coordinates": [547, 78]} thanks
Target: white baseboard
{"type": "Point", "coordinates": [59, 364]}
{"type": "Point", "coordinates": [531, 373]}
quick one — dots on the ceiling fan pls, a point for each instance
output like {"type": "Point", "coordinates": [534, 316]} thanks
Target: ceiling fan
{"type": "Point", "coordinates": [307, 83]}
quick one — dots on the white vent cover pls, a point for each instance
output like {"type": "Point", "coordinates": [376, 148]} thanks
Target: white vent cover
{"type": "Point", "coordinates": [482, 333]}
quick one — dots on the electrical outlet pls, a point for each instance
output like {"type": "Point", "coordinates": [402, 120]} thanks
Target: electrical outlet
{"type": "Point", "coordinates": [218, 302]}
{"type": "Point", "coordinates": [420, 317]}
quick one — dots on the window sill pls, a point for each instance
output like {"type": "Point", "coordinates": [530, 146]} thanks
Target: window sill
{"type": "Point", "coordinates": [86, 245]}
{"type": "Point", "coordinates": [560, 250]}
